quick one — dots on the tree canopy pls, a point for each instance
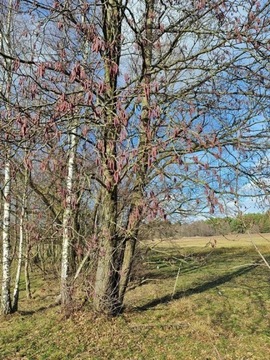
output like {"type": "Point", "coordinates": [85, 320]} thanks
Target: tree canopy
{"type": "Point", "coordinates": [124, 111]}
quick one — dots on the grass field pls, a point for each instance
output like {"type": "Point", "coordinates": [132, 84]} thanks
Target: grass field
{"type": "Point", "coordinates": [188, 300]}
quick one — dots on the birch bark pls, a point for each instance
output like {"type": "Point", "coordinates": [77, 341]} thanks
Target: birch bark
{"type": "Point", "coordinates": [15, 299]}
{"type": "Point", "coordinates": [67, 218]}
{"type": "Point", "coordinates": [5, 45]}
{"type": "Point", "coordinates": [5, 299]}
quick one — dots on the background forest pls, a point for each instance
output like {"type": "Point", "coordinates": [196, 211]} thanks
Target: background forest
{"type": "Point", "coordinates": [248, 223]}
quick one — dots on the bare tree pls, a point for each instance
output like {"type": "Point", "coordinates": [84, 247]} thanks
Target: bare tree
{"type": "Point", "coordinates": [6, 46]}
{"type": "Point", "coordinates": [168, 109]}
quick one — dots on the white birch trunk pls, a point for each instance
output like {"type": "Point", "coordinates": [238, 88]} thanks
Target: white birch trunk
{"type": "Point", "coordinates": [67, 218]}
{"type": "Point", "coordinates": [27, 260]}
{"type": "Point", "coordinates": [5, 45]}
{"type": "Point", "coordinates": [20, 247]}
{"type": "Point", "coordinates": [26, 271]}
{"type": "Point", "coordinates": [5, 299]}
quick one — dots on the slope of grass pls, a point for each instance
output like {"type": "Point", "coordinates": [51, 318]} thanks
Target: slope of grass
{"type": "Point", "coordinates": [188, 303]}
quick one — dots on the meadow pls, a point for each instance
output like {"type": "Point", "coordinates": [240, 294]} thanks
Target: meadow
{"type": "Point", "coordinates": [190, 298]}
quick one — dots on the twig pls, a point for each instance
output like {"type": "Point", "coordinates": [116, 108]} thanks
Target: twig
{"type": "Point", "coordinates": [176, 280]}
{"type": "Point", "coordinates": [258, 251]}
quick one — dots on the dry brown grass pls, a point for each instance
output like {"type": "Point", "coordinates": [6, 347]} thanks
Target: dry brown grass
{"type": "Point", "coordinates": [227, 241]}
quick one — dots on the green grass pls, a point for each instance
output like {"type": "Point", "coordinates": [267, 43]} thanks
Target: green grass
{"type": "Point", "coordinates": [217, 308]}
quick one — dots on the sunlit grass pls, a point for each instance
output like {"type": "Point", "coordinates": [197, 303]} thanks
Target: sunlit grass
{"type": "Point", "coordinates": [231, 240]}
{"type": "Point", "coordinates": [186, 302]}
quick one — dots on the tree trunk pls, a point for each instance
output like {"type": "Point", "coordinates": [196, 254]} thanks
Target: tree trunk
{"type": "Point", "coordinates": [106, 290]}
{"type": "Point", "coordinates": [27, 264]}
{"type": "Point", "coordinates": [5, 299]}
{"type": "Point", "coordinates": [26, 273]}
{"type": "Point", "coordinates": [6, 46]}
{"type": "Point", "coordinates": [126, 267]}
{"type": "Point", "coordinates": [106, 296]}
{"type": "Point", "coordinates": [15, 300]}
{"type": "Point", "coordinates": [65, 290]}
{"type": "Point", "coordinates": [138, 191]}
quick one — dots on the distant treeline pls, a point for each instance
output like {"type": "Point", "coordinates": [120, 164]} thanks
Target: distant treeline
{"type": "Point", "coordinates": [253, 223]}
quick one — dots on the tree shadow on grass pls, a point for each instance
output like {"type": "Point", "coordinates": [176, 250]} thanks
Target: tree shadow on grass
{"type": "Point", "coordinates": [198, 289]}
{"type": "Point", "coordinates": [42, 308]}
{"type": "Point", "coordinates": [165, 267]}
